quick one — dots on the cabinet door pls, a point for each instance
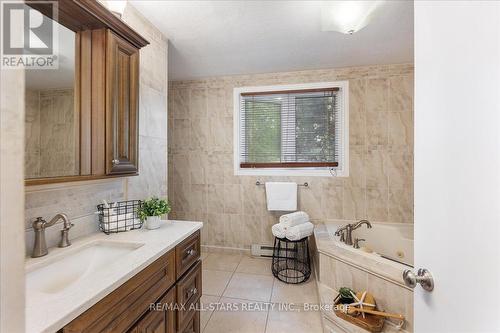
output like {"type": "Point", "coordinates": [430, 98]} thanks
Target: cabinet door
{"type": "Point", "coordinates": [153, 322]}
{"type": "Point", "coordinates": [122, 105]}
{"type": "Point", "coordinates": [161, 320]}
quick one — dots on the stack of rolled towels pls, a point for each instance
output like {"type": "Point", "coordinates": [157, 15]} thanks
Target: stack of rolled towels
{"type": "Point", "coordinates": [293, 226]}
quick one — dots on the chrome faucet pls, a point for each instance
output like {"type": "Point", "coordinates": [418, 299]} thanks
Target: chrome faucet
{"type": "Point", "coordinates": [39, 226]}
{"type": "Point", "coordinates": [345, 232]}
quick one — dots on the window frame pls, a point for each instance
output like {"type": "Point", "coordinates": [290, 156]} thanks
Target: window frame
{"type": "Point", "coordinates": [340, 171]}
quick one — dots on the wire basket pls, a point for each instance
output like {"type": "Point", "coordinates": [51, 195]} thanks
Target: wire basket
{"type": "Point", "coordinates": [119, 216]}
{"type": "Point", "coordinates": [291, 260]}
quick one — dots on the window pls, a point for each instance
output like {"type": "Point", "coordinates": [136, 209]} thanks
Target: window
{"type": "Point", "coordinates": [295, 130]}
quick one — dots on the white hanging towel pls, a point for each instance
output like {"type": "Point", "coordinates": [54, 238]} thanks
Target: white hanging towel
{"type": "Point", "coordinates": [278, 230]}
{"type": "Point", "coordinates": [281, 196]}
{"type": "Point", "coordinates": [293, 219]}
{"type": "Point", "coordinates": [300, 231]}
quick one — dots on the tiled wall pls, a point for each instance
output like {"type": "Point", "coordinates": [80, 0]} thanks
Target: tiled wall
{"type": "Point", "coordinates": [79, 200]}
{"type": "Point", "coordinates": [203, 186]}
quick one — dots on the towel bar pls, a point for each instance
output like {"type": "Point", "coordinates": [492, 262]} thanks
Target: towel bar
{"type": "Point", "coordinates": [306, 184]}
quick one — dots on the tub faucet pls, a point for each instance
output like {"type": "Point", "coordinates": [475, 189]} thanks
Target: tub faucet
{"type": "Point", "coordinates": [345, 232]}
{"type": "Point", "coordinates": [40, 246]}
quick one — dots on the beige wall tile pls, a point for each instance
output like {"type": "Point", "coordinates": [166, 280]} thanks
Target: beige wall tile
{"type": "Point", "coordinates": [180, 103]}
{"type": "Point", "coordinates": [377, 128]}
{"type": "Point", "coordinates": [232, 199]}
{"type": "Point", "coordinates": [399, 166]}
{"type": "Point", "coordinates": [376, 172]}
{"type": "Point", "coordinates": [354, 203]}
{"type": "Point", "coordinates": [400, 129]}
{"type": "Point", "coordinates": [199, 134]}
{"type": "Point", "coordinates": [401, 93]}
{"type": "Point", "coordinates": [381, 148]}
{"type": "Point", "coordinates": [197, 167]}
{"type": "Point", "coordinates": [331, 203]}
{"type": "Point", "coordinates": [215, 168]}
{"type": "Point", "coordinates": [357, 167]}
{"type": "Point", "coordinates": [376, 204]}
{"type": "Point", "coordinates": [400, 205]}
{"type": "Point", "coordinates": [182, 137]}
{"type": "Point", "coordinates": [377, 91]}
{"type": "Point", "coordinates": [215, 198]}
{"type": "Point", "coordinates": [198, 103]}
{"type": "Point", "coordinates": [215, 224]}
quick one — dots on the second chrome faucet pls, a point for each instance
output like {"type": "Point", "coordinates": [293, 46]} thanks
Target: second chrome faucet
{"type": "Point", "coordinates": [345, 232]}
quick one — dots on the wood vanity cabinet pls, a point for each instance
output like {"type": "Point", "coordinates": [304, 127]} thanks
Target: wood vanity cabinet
{"type": "Point", "coordinates": [129, 308]}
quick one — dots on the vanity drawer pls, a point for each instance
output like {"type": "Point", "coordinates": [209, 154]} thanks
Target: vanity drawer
{"type": "Point", "coordinates": [188, 295]}
{"type": "Point", "coordinates": [118, 311]}
{"type": "Point", "coordinates": [193, 324]}
{"type": "Point", "coordinates": [187, 252]}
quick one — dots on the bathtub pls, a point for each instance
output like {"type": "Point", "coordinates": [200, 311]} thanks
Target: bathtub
{"type": "Point", "coordinates": [380, 272]}
{"type": "Point", "coordinates": [393, 241]}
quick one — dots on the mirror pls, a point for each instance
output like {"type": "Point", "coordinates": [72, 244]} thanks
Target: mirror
{"type": "Point", "coordinates": [52, 147]}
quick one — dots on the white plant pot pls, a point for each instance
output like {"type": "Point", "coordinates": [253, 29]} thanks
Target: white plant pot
{"type": "Point", "coordinates": [152, 222]}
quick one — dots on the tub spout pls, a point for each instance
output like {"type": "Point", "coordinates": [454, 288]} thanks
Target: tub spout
{"type": "Point", "coordinates": [360, 223]}
{"type": "Point", "coordinates": [345, 232]}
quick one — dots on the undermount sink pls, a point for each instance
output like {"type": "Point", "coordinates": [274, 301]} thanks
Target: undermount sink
{"type": "Point", "coordinates": [73, 265]}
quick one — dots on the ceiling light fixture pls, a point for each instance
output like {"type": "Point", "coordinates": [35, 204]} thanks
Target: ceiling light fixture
{"type": "Point", "coordinates": [347, 16]}
{"type": "Point", "coordinates": [116, 6]}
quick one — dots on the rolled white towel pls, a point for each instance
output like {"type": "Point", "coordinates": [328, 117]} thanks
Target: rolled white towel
{"type": "Point", "coordinates": [293, 219]}
{"type": "Point", "coordinates": [300, 231]}
{"type": "Point", "coordinates": [278, 230]}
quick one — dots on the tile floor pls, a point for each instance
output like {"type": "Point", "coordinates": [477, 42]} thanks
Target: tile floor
{"type": "Point", "coordinates": [245, 284]}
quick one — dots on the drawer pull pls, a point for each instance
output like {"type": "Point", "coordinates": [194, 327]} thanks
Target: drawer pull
{"type": "Point", "coordinates": [190, 252]}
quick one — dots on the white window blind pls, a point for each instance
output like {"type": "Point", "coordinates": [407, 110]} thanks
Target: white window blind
{"type": "Point", "coordinates": [290, 129]}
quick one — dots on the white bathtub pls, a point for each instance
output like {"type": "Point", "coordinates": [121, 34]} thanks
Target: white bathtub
{"type": "Point", "coordinates": [390, 240]}
{"type": "Point", "coordinates": [380, 272]}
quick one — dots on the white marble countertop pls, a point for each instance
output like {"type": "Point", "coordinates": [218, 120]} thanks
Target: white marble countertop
{"type": "Point", "coordinates": [48, 312]}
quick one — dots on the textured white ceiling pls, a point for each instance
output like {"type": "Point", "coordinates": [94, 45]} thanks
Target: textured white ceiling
{"type": "Point", "coordinates": [212, 38]}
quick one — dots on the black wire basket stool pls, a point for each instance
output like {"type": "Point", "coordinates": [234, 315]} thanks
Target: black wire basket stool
{"type": "Point", "coordinates": [291, 260]}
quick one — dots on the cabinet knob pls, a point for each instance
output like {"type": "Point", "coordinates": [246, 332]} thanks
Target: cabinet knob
{"type": "Point", "coordinates": [115, 162]}
{"type": "Point", "coordinates": [190, 252]}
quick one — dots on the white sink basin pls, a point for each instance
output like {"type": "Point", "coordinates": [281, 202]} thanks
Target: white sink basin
{"type": "Point", "coordinates": [72, 265]}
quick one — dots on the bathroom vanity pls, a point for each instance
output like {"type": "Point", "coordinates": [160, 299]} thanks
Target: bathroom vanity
{"type": "Point", "coordinates": [137, 281]}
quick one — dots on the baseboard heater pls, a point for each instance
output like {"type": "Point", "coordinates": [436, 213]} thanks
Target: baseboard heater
{"type": "Point", "coordinates": [258, 250]}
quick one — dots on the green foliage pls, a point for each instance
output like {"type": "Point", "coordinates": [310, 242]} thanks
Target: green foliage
{"type": "Point", "coordinates": [346, 295]}
{"type": "Point", "coordinates": [263, 131]}
{"type": "Point", "coordinates": [153, 207]}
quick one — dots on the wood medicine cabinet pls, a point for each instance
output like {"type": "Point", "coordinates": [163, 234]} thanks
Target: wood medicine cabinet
{"type": "Point", "coordinates": [101, 110]}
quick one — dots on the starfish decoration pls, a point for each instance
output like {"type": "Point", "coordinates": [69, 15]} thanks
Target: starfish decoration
{"type": "Point", "coordinates": [360, 302]}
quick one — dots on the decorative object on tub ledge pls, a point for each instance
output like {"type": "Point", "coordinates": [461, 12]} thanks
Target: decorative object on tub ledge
{"type": "Point", "coordinates": [346, 295]}
{"type": "Point", "coordinates": [119, 216]}
{"type": "Point", "coordinates": [291, 261]}
{"type": "Point", "coordinates": [363, 310]}
{"type": "Point", "coordinates": [151, 210]}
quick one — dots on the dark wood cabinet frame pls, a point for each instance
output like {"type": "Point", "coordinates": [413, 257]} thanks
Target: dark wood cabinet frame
{"type": "Point", "coordinates": [98, 32]}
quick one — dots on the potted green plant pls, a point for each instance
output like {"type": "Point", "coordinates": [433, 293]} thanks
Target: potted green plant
{"type": "Point", "coordinates": [151, 210]}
